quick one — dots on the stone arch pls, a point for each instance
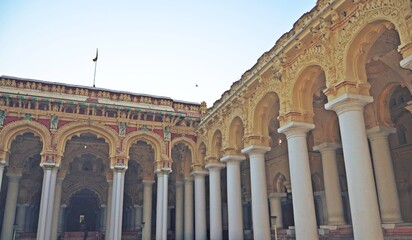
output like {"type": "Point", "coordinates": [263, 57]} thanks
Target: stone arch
{"type": "Point", "coordinates": [14, 129]}
{"type": "Point", "coordinates": [236, 132]}
{"type": "Point", "coordinates": [202, 150]}
{"type": "Point", "coordinates": [66, 132]}
{"type": "Point", "coordinates": [310, 81]}
{"type": "Point", "coordinates": [383, 110]}
{"type": "Point", "coordinates": [265, 110]}
{"type": "Point", "coordinates": [150, 138]}
{"type": "Point", "coordinates": [365, 26]}
{"type": "Point", "coordinates": [80, 152]}
{"type": "Point", "coordinates": [187, 142]}
{"type": "Point", "coordinates": [278, 183]}
{"type": "Point", "coordinates": [216, 144]}
{"type": "Point", "coordinates": [77, 188]}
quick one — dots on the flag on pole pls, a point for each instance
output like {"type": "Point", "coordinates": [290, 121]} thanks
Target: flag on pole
{"type": "Point", "coordinates": [97, 54]}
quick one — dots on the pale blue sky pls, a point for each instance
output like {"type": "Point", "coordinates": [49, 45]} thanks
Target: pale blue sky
{"type": "Point", "coordinates": [155, 47]}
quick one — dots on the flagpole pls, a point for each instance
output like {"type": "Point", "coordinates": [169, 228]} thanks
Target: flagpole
{"type": "Point", "coordinates": [94, 78]}
{"type": "Point", "coordinates": [95, 67]}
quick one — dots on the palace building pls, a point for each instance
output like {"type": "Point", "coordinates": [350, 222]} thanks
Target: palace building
{"type": "Point", "coordinates": [313, 142]}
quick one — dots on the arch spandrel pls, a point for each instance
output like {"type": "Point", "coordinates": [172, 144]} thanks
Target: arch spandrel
{"type": "Point", "coordinates": [9, 132]}
{"type": "Point", "coordinates": [369, 14]}
{"type": "Point", "coordinates": [66, 132]}
{"type": "Point", "coordinates": [151, 138]}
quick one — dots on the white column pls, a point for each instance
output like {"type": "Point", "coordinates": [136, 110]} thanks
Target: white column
{"type": "Point", "coordinates": [215, 200]}
{"type": "Point", "coordinates": [159, 205]}
{"type": "Point", "coordinates": [50, 202]}
{"type": "Point", "coordinates": [260, 208]}
{"type": "Point", "coordinates": [147, 209]}
{"type": "Point", "coordinates": [358, 164]}
{"type": "Point", "coordinates": [117, 203]}
{"type": "Point", "coordinates": [56, 210]}
{"type": "Point", "coordinates": [234, 196]}
{"type": "Point", "coordinates": [276, 208]}
{"type": "Point", "coordinates": [179, 211]}
{"type": "Point", "coordinates": [200, 205]}
{"type": "Point", "coordinates": [10, 207]}
{"type": "Point", "coordinates": [109, 208]}
{"type": "Point", "coordinates": [333, 191]}
{"type": "Point", "coordinates": [46, 202]}
{"type": "Point", "coordinates": [384, 174]}
{"type": "Point", "coordinates": [165, 206]}
{"type": "Point", "coordinates": [303, 201]}
{"type": "Point", "coordinates": [20, 218]}
{"type": "Point", "coordinates": [138, 217]}
{"type": "Point", "coordinates": [189, 232]}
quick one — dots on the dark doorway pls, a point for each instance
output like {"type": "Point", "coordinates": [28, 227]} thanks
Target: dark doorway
{"type": "Point", "coordinates": [83, 211]}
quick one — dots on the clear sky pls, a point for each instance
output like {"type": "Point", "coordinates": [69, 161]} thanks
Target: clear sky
{"type": "Point", "coordinates": [155, 47]}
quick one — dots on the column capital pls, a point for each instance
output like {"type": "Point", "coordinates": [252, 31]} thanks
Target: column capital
{"type": "Point", "coordinates": [406, 51]}
{"type": "Point", "coordinates": [233, 159]}
{"type": "Point", "coordinates": [327, 146]}
{"type": "Point", "coordinates": [292, 129]}
{"type": "Point", "coordinates": [188, 179]}
{"type": "Point", "coordinates": [409, 106]}
{"type": "Point", "coordinates": [215, 166]}
{"type": "Point", "coordinates": [148, 183]}
{"type": "Point", "coordinates": [199, 173]}
{"type": "Point", "coordinates": [277, 195]}
{"type": "Point", "coordinates": [348, 102]}
{"type": "Point", "coordinates": [253, 150]}
{"type": "Point", "coordinates": [379, 132]}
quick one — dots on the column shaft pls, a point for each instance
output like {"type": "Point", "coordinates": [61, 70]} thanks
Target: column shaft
{"type": "Point", "coordinates": [276, 209]}
{"type": "Point", "coordinates": [10, 207]}
{"type": "Point", "coordinates": [333, 191]}
{"type": "Point", "coordinates": [165, 205]}
{"type": "Point", "coordinates": [179, 211]}
{"type": "Point", "coordinates": [147, 209]}
{"type": "Point", "coordinates": [234, 196]}
{"type": "Point", "coordinates": [200, 205]}
{"type": "Point", "coordinates": [159, 206]}
{"type": "Point", "coordinates": [384, 174]}
{"type": "Point", "coordinates": [358, 164]}
{"type": "Point", "coordinates": [303, 201]}
{"type": "Point", "coordinates": [41, 228]}
{"type": "Point", "coordinates": [215, 200]}
{"type": "Point", "coordinates": [117, 203]}
{"type": "Point", "coordinates": [189, 232]}
{"type": "Point", "coordinates": [260, 208]}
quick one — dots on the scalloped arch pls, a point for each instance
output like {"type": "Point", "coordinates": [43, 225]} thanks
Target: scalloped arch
{"type": "Point", "coordinates": [233, 135]}
{"type": "Point", "coordinates": [393, 12]}
{"type": "Point", "coordinates": [151, 138]}
{"type": "Point", "coordinates": [69, 130]}
{"type": "Point", "coordinates": [12, 130]}
{"type": "Point", "coordinates": [77, 188]}
{"type": "Point", "coordinates": [187, 142]}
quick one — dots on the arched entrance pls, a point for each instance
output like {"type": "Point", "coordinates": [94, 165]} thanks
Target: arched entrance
{"type": "Point", "coordinates": [83, 209]}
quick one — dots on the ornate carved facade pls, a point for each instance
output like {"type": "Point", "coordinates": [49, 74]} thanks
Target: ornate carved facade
{"type": "Point", "coordinates": [317, 133]}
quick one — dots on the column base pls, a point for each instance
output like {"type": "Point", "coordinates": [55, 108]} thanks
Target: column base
{"type": "Point", "coordinates": [328, 229]}
{"type": "Point", "coordinates": [290, 232]}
